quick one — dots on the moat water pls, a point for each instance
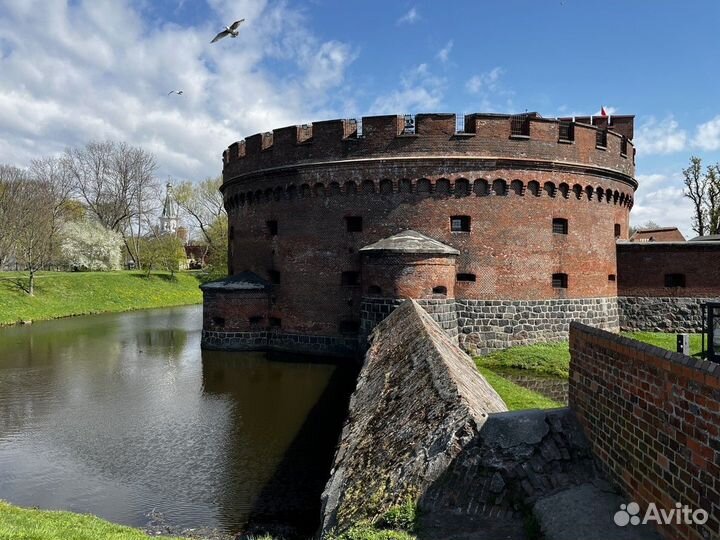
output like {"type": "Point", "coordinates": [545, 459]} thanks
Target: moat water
{"type": "Point", "coordinates": [121, 415]}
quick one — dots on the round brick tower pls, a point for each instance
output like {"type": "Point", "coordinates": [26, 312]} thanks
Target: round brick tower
{"type": "Point", "coordinates": [529, 207]}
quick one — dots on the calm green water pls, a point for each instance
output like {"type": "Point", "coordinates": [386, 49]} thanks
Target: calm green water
{"type": "Point", "coordinates": [121, 414]}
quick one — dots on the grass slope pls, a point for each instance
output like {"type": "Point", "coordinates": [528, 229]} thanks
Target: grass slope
{"type": "Point", "coordinates": [26, 524]}
{"type": "Point", "coordinates": [667, 341]}
{"type": "Point", "coordinates": [62, 294]}
{"type": "Point", "coordinates": [551, 359]}
{"type": "Point", "coordinates": [515, 396]}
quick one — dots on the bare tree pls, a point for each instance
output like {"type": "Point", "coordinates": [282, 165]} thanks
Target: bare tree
{"type": "Point", "coordinates": [712, 175]}
{"type": "Point", "coordinates": [34, 226]}
{"type": "Point", "coordinates": [203, 203]}
{"type": "Point", "coordinates": [116, 181]}
{"type": "Point", "coordinates": [10, 184]}
{"type": "Point", "coordinates": [695, 190]}
{"type": "Point", "coordinates": [54, 174]}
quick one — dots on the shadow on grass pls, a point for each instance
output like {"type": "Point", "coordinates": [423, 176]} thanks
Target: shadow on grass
{"type": "Point", "coordinates": [158, 275]}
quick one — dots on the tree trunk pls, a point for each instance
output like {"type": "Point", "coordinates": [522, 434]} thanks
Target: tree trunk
{"type": "Point", "coordinates": [31, 288]}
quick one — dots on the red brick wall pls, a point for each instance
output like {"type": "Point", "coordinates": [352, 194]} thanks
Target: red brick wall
{"type": "Point", "coordinates": [234, 309]}
{"type": "Point", "coordinates": [653, 419]}
{"type": "Point", "coordinates": [408, 275]}
{"type": "Point", "coordinates": [642, 268]}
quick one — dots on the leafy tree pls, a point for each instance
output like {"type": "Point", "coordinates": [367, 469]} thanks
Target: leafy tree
{"type": "Point", "coordinates": [87, 245]}
{"type": "Point", "coordinates": [218, 253]}
{"type": "Point", "coordinates": [202, 202]}
{"type": "Point", "coordinates": [163, 252]}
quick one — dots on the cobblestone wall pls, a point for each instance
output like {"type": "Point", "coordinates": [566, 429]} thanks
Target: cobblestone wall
{"type": "Point", "coordinates": [482, 326]}
{"type": "Point", "coordinates": [661, 313]}
{"type": "Point", "coordinates": [488, 325]}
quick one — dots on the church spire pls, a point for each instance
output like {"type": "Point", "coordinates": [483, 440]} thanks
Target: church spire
{"type": "Point", "coordinates": [168, 220]}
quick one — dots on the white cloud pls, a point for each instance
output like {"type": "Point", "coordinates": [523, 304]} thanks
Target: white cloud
{"type": "Point", "coordinates": [707, 136]}
{"type": "Point", "coordinates": [664, 137]}
{"type": "Point", "coordinates": [411, 17]}
{"type": "Point", "coordinates": [484, 82]}
{"type": "Point", "coordinates": [444, 54]}
{"type": "Point", "coordinates": [660, 198]}
{"type": "Point", "coordinates": [83, 79]}
{"type": "Point", "coordinates": [420, 91]}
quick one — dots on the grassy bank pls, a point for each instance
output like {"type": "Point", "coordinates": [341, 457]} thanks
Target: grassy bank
{"type": "Point", "coordinates": [551, 360]}
{"type": "Point", "coordinates": [62, 294]}
{"type": "Point", "coordinates": [27, 524]}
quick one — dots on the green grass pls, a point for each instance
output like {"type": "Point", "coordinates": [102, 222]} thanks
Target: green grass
{"type": "Point", "coordinates": [551, 360]}
{"type": "Point", "coordinates": [27, 524]}
{"type": "Point", "coordinates": [63, 294]}
{"type": "Point", "coordinates": [516, 397]}
{"type": "Point", "coordinates": [667, 341]}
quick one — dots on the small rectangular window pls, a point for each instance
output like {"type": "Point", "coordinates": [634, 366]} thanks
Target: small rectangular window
{"type": "Point", "coordinates": [274, 276]}
{"type": "Point", "coordinates": [218, 322]}
{"type": "Point", "coordinates": [520, 125]}
{"type": "Point", "coordinates": [465, 277]}
{"type": "Point", "coordinates": [623, 146]}
{"type": "Point", "coordinates": [674, 280]}
{"type": "Point", "coordinates": [353, 223]}
{"type": "Point", "coordinates": [601, 138]}
{"type": "Point", "coordinates": [560, 226]}
{"type": "Point", "coordinates": [611, 277]}
{"type": "Point", "coordinates": [618, 230]}
{"type": "Point", "coordinates": [257, 319]}
{"type": "Point", "coordinates": [274, 322]}
{"type": "Point", "coordinates": [272, 227]}
{"type": "Point", "coordinates": [559, 281]}
{"type": "Point", "coordinates": [350, 278]}
{"type": "Point", "coordinates": [567, 130]}
{"type": "Point", "coordinates": [460, 223]}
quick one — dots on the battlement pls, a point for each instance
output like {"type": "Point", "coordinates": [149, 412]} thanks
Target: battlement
{"type": "Point", "coordinates": [598, 141]}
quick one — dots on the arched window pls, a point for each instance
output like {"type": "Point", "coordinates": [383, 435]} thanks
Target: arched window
{"type": "Point", "coordinates": [442, 186]}
{"type": "Point", "coordinates": [386, 186]}
{"type": "Point", "coordinates": [480, 187]}
{"type": "Point", "coordinates": [423, 185]}
{"type": "Point", "coordinates": [500, 187]}
{"type": "Point", "coordinates": [534, 188]}
{"type": "Point", "coordinates": [462, 187]}
{"type": "Point", "coordinates": [516, 186]}
{"type": "Point", "coordinates": [440, 290]}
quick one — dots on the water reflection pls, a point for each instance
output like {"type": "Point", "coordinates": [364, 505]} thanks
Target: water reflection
{"type": "Point", "coordinates": [120, 414]}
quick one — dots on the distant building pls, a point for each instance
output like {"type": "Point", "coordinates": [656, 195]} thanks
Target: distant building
{"type": "Point", "coordinates": [659, 234]}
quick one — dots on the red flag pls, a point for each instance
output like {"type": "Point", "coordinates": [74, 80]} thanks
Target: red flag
{"type": "Point", "coordinates": [603, 112]}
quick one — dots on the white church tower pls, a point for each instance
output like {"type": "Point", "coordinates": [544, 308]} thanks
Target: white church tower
{"type": "Point", "coordinates": [169, 219]}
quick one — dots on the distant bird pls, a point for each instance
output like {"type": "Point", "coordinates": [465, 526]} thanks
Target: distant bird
{"type": "Point", "coordinates": [231, 31]}
{"type": "Point", "coordinates": [178, 92]}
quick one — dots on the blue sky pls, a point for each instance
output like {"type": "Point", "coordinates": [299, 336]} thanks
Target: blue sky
{"type": "Point", "coordinates": [98, 69]}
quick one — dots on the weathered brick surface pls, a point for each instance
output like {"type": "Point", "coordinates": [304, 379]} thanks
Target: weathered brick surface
{"type": "Point", "coordinates": [510, 188]}
{"type": "Point", "coordinates": [653, 419]}
{"type": "Point", "coordinates": [642, 268]}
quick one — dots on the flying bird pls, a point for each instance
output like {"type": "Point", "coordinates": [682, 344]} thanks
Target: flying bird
{"type": "Point", "coordinates": [231, 31]}
{"type": "Point", "coordinates": [178, 92]}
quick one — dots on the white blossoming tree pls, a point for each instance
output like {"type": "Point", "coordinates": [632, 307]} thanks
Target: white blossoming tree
{"type": "Point", "coordinates": [87, 245]}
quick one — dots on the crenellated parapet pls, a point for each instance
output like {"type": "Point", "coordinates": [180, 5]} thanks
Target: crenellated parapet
{"type": "Point", "coordinates": [599, 143]}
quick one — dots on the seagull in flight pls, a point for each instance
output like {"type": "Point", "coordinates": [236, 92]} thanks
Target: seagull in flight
{"type": "Point", "coordinates": [178, 92]}
{"type": "Point", "coordinates": [231, 31]}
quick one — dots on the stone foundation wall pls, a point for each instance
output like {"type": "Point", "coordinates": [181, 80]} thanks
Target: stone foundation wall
{"type": "Point", "coordinates": [280, 341]}
{"type": "Point", "coordinates": [483, 326]}
{"type": "Point", "coordinates": [488, 325]}
{"type": "Point", "coordinates": [661, 313]}
{"type": "Point", "coordinates": [375, 310]}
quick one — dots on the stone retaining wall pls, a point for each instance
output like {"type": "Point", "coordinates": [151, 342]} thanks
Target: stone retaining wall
{"type": "Point", "coordinates": [661, 313]}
